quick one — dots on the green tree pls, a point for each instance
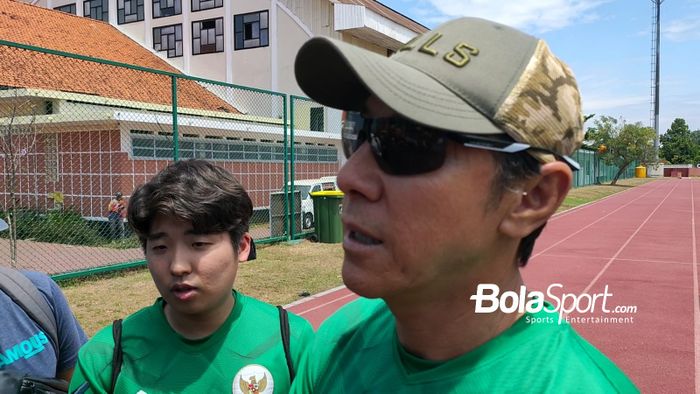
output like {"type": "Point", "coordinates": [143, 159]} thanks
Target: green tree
{"type": "Point", "coordinates": [620, 143]}
{"type": "Point", "coordinates": [677, 145]}
{"type": "Point", "coordinates": [695, 137]}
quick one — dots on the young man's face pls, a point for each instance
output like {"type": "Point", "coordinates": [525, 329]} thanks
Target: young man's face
{"type": "Point", "coordinates": [193, 272]}
{"type": "Point", "coordinates": [417, 234]}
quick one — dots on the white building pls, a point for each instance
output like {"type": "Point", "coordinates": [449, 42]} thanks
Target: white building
{"type": "Point", "coordinates": [245, 42]}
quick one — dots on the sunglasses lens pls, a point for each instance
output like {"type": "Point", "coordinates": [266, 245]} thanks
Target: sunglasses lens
{"type": "Point", "coordinates": [405, 151]}
{"type": "Point", "coordinates": [399, 146]}
{"type": "Point", "coordinates": [351, 133]}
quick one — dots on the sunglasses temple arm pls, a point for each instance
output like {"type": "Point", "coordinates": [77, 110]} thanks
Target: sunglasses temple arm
{"type": "Point", "coordinates": [571, 162]}
{"type": "Point", "coordinates": [515, 147]}
{"type": "Point", "coordinates": [520, 147]}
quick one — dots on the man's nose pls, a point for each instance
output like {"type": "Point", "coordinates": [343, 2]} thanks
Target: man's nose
{"type": "Point", "coordinates": [181, 262]}
{"type": "Point", "coordinates": [360, 174]}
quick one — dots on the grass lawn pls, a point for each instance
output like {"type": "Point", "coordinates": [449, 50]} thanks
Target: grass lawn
{"type": "Point", "coordinates": [281, 273]}
{"type": "Point", "coordinates": [583, 195]}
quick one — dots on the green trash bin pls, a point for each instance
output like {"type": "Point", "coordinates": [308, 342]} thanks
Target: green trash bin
{"type": "Point", "coordinates": [328, 206]}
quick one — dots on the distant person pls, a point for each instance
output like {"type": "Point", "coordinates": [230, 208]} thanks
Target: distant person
{"type": "Point", "coordinates": [201, 336]}
{"type": "Point", "coordinates": [458, 151]}
{"type": "Point", "coordinates": [25, 345]}
{"type": "Point", "coordinates": [116, 213]}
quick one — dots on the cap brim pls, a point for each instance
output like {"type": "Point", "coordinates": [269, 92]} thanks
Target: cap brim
{"type": "Point", "coordinates": [342, 76]}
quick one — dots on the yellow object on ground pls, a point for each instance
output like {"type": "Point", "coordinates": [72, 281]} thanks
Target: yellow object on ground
{"type": "Point", "coordinates": [640, 172]}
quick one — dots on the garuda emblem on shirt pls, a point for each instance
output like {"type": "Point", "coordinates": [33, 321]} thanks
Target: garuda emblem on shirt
{"type": "Point", "coordinates": [253, 379]}
{"type": "Point", "coordinates": [253, 387]}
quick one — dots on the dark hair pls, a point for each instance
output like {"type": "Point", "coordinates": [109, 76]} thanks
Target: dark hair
{"type": "Point", "coordinates": [511, 171]}
{"type": "Point", "coordinates": [196, 191]}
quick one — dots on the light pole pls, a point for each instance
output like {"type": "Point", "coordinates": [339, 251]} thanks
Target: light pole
{"type": "Point", "coordinates": [655, 45]}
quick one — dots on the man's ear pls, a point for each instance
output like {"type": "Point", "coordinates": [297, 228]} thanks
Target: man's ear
{"type": "Point", "coordinates": [244, 247]}
{"type": "Point", "coordinates": [542, 196]}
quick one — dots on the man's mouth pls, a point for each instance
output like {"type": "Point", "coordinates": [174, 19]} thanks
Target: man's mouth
{"type": "Point", "coordinates": [183, 292]}
{"type": "Point", "coordinates": [363, 238]}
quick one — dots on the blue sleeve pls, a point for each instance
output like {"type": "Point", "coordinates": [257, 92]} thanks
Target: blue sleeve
{"type": "Point", "coordinates": [70, 334]}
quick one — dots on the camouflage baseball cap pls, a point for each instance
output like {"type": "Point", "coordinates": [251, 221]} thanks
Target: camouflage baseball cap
{"type": "Point", "coordinates": [469, 75]}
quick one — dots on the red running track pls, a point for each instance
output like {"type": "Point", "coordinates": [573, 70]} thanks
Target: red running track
{"type": "Point", "coordinates": [642, 245]}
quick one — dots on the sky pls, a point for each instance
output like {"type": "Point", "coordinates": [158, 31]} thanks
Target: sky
{"type": "Point", "coordinates": [607, 43]}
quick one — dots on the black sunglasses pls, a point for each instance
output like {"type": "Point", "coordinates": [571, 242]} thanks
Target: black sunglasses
{"type": "Point", "coordinates": [403, 147]}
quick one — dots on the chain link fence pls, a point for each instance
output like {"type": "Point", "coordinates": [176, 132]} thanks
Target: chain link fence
{"type": "Point", "coordinates": [314, 161]}
{"type": "Point", "coordinates": [76, 131]}
{"type": "Point", "coordinates": [594, 170]}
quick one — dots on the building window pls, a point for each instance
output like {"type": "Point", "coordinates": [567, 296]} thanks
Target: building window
{"type": "Point", "coordinates": [168, 38]}
{"type": "Point", "coordinates": [208, 36]}
{"type": "Point", "coordinates": [96, 9]}
{"type": "Point", "coordinates": [316, 115]}
{"type": "Point", "coordinates": [163, 8]}
{"type": "Point", "coordinates": [198, 5]}
{"type": "Point", "coordinates": [69, 8]}
{"type": "Point", "coordinates": [146, 145]}
{"type": "Point", "coordinates": [129, 11]}
{"type": "Point", "coordinates": [251, 30]}
{"type": "Point", "coordinates": [313, 153]}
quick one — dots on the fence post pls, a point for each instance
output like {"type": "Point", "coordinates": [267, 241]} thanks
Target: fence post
{"type": "Point", "coordinates": [291, 165]}
{"type": "Point", "coordinates": [285, 167]}
{"type": "Point", "coordinates": [176, 139]}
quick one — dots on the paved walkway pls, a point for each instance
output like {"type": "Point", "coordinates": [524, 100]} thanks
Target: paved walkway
{"type": "Point", "coordinates": [58, 258]}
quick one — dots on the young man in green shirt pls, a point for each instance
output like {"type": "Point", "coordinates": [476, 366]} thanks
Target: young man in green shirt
{"type": "Point", "coordinates": [458, 153]}
{"type": "Point", "coordinates": [200, 336]}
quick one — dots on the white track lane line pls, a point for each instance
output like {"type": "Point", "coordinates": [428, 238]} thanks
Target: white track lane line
{"type": "Point", "coordinates": [589, 225]}
{"type": "Point", "coordinates": [313, 297]}
{"type": "Point", "coordinates": [561, 214]}
{"type": "Point", "coordinates": [324, 304]}
{"type": "Point", "coordinates": [602, 271]}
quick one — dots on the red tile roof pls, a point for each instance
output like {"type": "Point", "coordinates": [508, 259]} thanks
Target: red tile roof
{"type": "Point", "coordinates": [32, 25]}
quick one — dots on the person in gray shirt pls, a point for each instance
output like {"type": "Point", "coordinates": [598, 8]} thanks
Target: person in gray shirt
{"type": "Point", "coordinates": [26, 348]}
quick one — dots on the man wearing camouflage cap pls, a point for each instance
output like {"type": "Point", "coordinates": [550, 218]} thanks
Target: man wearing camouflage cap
{"type": "Point", "coordinates": [458, 152]}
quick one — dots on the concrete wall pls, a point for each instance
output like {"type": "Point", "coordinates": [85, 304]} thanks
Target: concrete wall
{"type": "Point", "coordinates": [289, 39]}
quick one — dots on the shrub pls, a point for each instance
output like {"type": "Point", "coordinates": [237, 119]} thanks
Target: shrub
{"type": "Point", "coordinates": [64, 227]}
